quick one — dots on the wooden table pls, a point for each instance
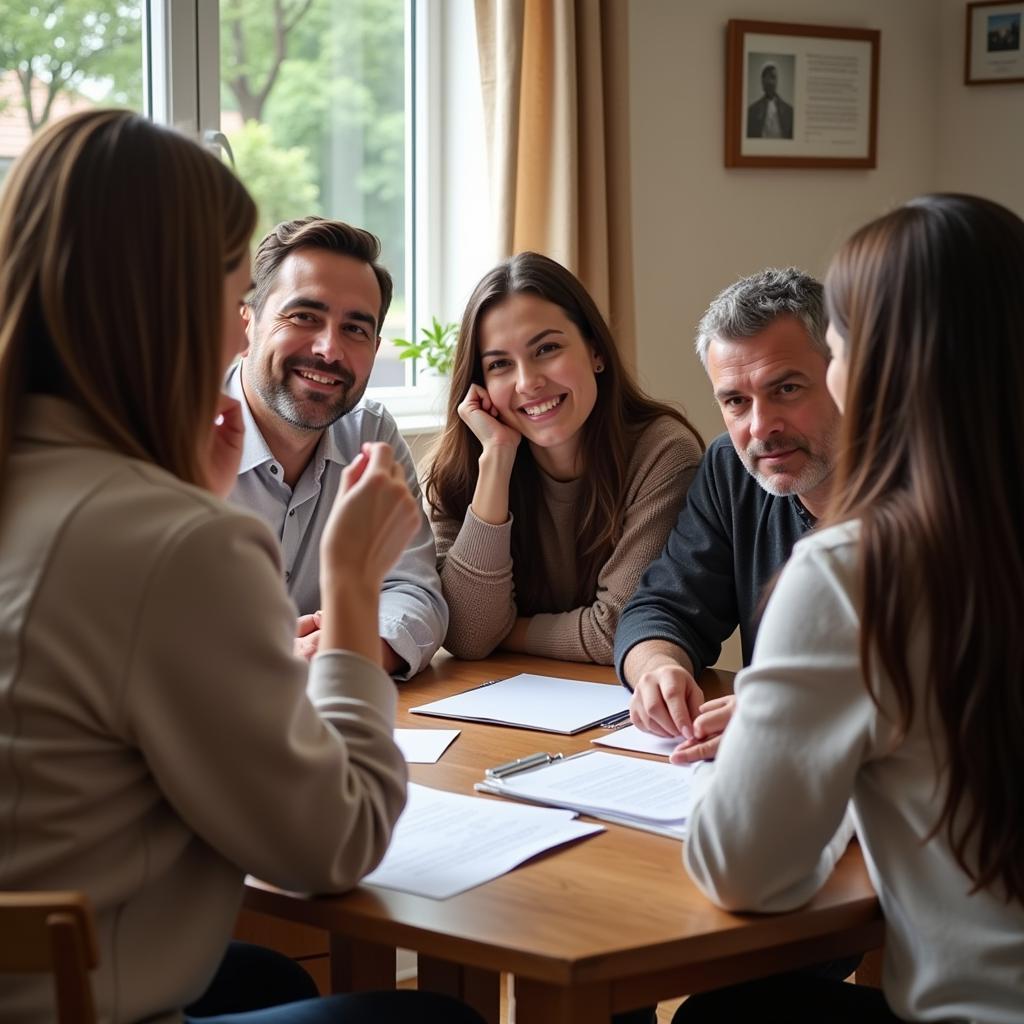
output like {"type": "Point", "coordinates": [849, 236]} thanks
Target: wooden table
{"type": "Point", "coordinates": [608, 924]}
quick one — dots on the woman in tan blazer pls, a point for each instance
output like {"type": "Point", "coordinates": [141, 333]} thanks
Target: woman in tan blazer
{"type": "Point", "coordinates": [158, 738]}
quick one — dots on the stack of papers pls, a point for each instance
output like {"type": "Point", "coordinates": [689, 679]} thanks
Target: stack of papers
{"type": "Point", "coordinates": [648, 795]}
{"type": "Point", "coordinates": [445, 843]}
{"type": "Point", "coordinates": [528, 701]}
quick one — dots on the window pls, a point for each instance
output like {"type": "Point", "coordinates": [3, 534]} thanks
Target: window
{"type": "Point", "coordinates": [313, 105]}
{"type": "Point", "coordinates": [365, 110]}
{"type": "Point", "coordinates": [369, 111]}
{"type": "Point", "coordinates": [59, 57]}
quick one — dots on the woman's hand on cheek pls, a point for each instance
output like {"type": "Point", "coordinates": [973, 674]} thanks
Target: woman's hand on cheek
{"type": "Point", "coordinates": [480, 414]}
{"type": "Point", "coordinates": [224, 451]}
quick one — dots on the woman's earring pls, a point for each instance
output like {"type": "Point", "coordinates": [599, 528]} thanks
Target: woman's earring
{"type": "Point", "coordinates": [599, 368]}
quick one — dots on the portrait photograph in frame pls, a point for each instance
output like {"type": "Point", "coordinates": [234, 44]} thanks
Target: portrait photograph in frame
{"type": "Point", "coordinates": [992, 50]}
{"type": "Point", "coordinates": [800, 95]}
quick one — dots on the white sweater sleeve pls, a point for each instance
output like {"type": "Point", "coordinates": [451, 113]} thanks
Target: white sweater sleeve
{"type": "Point", "coordinates": [768, 829]}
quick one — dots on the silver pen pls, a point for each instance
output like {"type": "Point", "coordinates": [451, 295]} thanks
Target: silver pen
{"type": "Point", "coordinates": [521, 764]}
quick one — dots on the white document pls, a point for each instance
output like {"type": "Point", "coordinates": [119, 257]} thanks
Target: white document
{"type": "Point", "coordinates": [446, 843]}
{"type": "Point", "coordinates": [424, 746]}
{"type": "Point", "coordinates": [547, 703]}
{"type": "Point", "coordinates": [632, 738]}
{"type": "Point", "coordinates": [596, 781]}
{"type": "Point", "coordinates": [649, 795]}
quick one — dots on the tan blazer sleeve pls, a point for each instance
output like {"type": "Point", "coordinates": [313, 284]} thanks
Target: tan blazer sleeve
{"type": "Point", "coordinates": [299, 786]}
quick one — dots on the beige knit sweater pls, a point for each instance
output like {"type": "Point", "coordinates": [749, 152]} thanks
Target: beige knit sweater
{"type": "Point", "coordinates": [475, 559]}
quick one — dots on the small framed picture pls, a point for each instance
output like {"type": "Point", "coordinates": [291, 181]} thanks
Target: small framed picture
{"type": "Point", "coordinates": [800, 95]}
{"type": "Point", "coordinates": [992, 51]}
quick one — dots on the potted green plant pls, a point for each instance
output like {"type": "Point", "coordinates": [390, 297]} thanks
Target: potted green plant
{"type": "Point", "coordinates": [436, 346]}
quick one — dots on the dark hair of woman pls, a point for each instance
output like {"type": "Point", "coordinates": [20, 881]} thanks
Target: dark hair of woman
{"type": "Point", "coordinates": [929, 302]}
{"type": "Point", "coordinates": [620, 414]}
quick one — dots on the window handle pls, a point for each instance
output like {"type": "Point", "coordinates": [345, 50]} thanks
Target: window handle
{"type": "Point", "coordinates": [218, 141]}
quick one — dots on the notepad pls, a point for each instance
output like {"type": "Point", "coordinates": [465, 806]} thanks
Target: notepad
{"type": "Point", "coordinates": [528, 701]}
{"type": "Point", "coordinates": [649, 795]}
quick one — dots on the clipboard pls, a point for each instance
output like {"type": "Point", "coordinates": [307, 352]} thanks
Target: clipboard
{"type": "Point", "coordinates": [517, 781]}
{"type": "Point", "coordinates": [541, 703]}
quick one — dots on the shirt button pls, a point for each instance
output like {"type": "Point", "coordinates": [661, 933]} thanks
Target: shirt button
{"type": "Point", "coordinates": [273, 469]}
{"type": "Point", "coordinates": [287, 575]}
{"type": "Point", "coordinates": [291, 511]}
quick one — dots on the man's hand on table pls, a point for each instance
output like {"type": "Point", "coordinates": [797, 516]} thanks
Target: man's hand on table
{"type": "Point", "coordinates": [708, 728]}
{"type": "Point", "coordinates": [307, 643]}
{"type": "Point", "coordinates": [668, 702]}
{"type": "Point", "coordinates": [307, 635]}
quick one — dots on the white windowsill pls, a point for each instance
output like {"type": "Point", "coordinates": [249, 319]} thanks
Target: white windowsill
{"type": "Point", "coordinates": [417, 410]}
{"type": "Point", "coordinates": [413, 426]}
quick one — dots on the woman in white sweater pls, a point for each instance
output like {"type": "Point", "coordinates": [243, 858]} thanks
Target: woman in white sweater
{"type": "Point", "coordinates": [159, 738]}
{"type": "Point", "coordinates": [889, 668]}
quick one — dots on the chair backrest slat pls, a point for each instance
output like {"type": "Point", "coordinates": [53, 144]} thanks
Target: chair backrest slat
{"type": "Point", "coordinates": [52, 932]}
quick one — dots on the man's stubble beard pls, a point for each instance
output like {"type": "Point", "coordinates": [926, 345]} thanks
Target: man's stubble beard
{"type": "Point", "coordinates": [819, 467]}
{"type": "Point", "coordinates": [278, 396]}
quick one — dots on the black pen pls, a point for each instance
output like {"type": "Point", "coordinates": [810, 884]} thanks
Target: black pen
{"type": "Point", "coordinates": [614, 720]}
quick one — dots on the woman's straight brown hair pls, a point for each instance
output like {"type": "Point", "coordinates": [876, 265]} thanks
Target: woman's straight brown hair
{"type": "Point", "coordinates": [929, 302]}
{"type": "Point", "coordinates": [115, 238]}
{"type": "Point", "coordinates": [620, 414]}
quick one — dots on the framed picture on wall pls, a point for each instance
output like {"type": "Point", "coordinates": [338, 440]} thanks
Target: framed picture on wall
{"type": "Point", "coordinates": [800, 95]}
{"type": "Point", "coordinates": [992, 53]}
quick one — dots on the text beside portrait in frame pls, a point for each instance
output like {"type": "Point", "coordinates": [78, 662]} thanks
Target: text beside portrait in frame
{"type": "Point", "coordinates": [801, 95]}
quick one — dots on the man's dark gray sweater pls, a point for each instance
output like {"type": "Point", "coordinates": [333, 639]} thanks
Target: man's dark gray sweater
{"type": "Point", "coordinates": [730, 540]}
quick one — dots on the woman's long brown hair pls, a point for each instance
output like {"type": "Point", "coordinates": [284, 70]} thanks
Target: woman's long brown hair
{"type": "Point", "coordinates": [930, 303]}
{"type": "Point", "coordinates": [620, 414]}
{"type": "Point", "coordinates": [115, 238]}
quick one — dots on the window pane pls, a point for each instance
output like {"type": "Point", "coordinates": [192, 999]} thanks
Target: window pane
{"type": "Point", "coordinates": [60, 57]}
{"type": "Point", "coordinates": [313, 104]}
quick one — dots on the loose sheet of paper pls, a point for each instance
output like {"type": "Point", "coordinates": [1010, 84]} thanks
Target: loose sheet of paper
{"type": "Point", "coordinates": [424, 746]}
{"type": "Point", "coordinates": [632, 738]}
{"type": "Point", "coordinates": [531, 701]}
{"type": "Point", "coordinates": [446, 843]}
{"type": "Point", "coordinates": [630, 787]}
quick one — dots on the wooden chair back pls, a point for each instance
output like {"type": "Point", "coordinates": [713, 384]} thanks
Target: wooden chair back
{"type": "Point", "coordinates": [52, 932]}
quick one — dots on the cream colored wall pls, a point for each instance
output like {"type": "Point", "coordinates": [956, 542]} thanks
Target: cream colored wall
{"type": "Point", "coordinates": [980, 142]}
{"type": "Point", "coordinates": [697, 226]}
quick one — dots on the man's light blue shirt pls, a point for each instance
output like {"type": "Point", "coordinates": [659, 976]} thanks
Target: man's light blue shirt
{"type": "Point", "coordinates": [413, 613]}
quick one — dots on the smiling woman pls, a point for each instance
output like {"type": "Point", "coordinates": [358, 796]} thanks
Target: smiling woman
{"type": "Point", "coordinates": [556, 480]}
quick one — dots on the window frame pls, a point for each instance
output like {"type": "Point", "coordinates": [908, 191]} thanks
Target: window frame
{"type": "Point", "coordinates": [181, 76]}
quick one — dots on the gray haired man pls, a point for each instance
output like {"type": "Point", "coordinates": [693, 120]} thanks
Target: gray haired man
{"type": "Point", "coordinates": [759, 489]}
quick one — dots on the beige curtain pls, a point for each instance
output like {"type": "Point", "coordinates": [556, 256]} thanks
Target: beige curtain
{"type": "Point", "coordinates": [556, 105]}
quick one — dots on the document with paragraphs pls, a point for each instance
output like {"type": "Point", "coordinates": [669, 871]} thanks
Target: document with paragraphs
{"type": "Point", "coordinates": [649, 795]}
{"type": "Point", "coordinates": [446, 843]}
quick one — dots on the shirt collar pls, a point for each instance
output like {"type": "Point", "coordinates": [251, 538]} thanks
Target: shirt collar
{"type": "Point", "coordinates": [255, 450]}
{"type": "Point", "coordinates": [331, 448]}
{"type": "Point", "coordinates": [801, 510]}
